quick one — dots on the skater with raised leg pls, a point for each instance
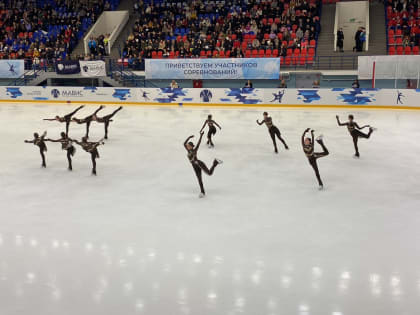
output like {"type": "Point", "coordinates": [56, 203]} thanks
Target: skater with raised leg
{"type": "Point", "coordinates": [212, 130]}
{"type": "Point", "coordinates": [198, 165]}
{"type": "Point", "coordinates": [355, 132]}
{"type": "Point", "coordinates": [308, 148]}
{"type": "Point", "coordinates": [87, 120]}
{"type": "Point", "coordinates": [40, 142]}
{"type": "Point", "coordinates": [106, 120]}
{"type": "Point", "coordinates": [92, 148]}
{"type": "Point", "coordinates": [65, 118]}
{"type": "Point", "coordinates": [66, 144]}
{"type": "Point", "coordinates": [273, 131]}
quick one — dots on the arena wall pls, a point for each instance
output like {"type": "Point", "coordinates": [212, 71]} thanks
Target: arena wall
{"type": "Point", "coordinates": [336, 97]}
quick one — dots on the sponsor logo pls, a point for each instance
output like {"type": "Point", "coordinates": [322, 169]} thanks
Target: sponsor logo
{"type": "Point", "coordinates": [66, 93]}
{"type": "Point", "coordinates": [55, 93]}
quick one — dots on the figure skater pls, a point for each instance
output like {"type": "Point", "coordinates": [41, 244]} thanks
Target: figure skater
{"type": "Point", "coordinates": [65, 118]}
{"type": "Point", "coordinates": [212, 130]}
{"type": "Point", "coordinates": [198, 165]}
{"type": "Point", "coordinates": [273, 130]}
{"type": "Point", "coordinates": [92, 148]}
{"type": "Point", "coordinates": [40, 142]}
{"type": "Point", "coordinates": [106, 120]}
{"type": "Point", "coordinates": [355, 132]}
{"type": "Point", "coordinates": [66, 144]}
{"type": "Point", "coordinates": [87, 120]}
{"type": "Point", "coordinates": [308, 147]}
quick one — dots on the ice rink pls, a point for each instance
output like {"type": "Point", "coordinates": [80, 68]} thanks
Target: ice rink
{"type": "Point", "coordinates": [136, 239]}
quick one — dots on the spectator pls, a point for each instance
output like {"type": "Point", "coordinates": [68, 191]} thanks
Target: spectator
{"type": "Point", "coordinates": [248, 84]}
{"type": "Point", "coordinates": [340, 40]}
{"type": "Point", "coordinates": [283, 84]}
{"type": "Point", "coordinates": [174, 85]}
{"type": "Point", "coordinates": [355, 84]}
{"type": "Point", "coordinates": [92, 45]}
{"type": "Point", "coordinates": [316, 84]}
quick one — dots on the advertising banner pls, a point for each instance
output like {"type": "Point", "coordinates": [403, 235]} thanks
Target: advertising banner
{"type": "Point", "coordinates": [67, 67]}
{"type": "Point", "coordinates": [95, 68]}
{"type": "Point", "coordinates": [226, 68]}
{"type": "Point", "coordinates": [12, 68]}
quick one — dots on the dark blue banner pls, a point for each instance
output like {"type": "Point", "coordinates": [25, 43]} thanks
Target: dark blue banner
{"type": "Point", "coordinates": [67, 67]}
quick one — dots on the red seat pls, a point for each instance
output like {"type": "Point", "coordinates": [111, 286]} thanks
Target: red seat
{"type": "Point", "coordinates": [280, 36]}
{"type": "Point", "coordinates": [302, 60]}
{"type": "Point", "coordinates": [228, 54]}
{"type": "Point", "coordinates": [391, 32]}
{"type": "Point", "coordinates": [268, 53]}
{"type": "Point", "coordinates": [254, 53]}
{"type": "Point", "coordinates": [399, 41]}
{"type": "Point", "coordinates": [415, 50]}
{"type": "Point", "coordinates": [296, 51]}
{"type": "Point", "coordinates": [281, 61]}
{"type": "Point", "coordinates": [391, 41]}
{"type": "Point", "coordinates": [289, 51]}
{"type": "Point", "coordinates": [266, 36]}
{"type": "Point", "coordinates": [290, 44]}
{"type": "Point", "coordinates": [310, 60]}
{"type": "Point", "coordinates": [391, 50]}
{"type": "Point", "coordinates": [160, 54]}
{"type": "Point", "coordinates": [398, 33]}
{"type": "Point", "coordinates": [400, 50]}
{"type": "Point", "coordinates": [248, 54]}
{"type": "Point", "coordinates": [312, 43]}
{"type": "Point", "coordinates": [311, 51]}
{"type": "Point", "coordinates": [154, 54]}
{"type": "Point", "coordinates": [303, 51]}
{"type": "Point", "coordinates": [171, 54]}
{"type": "Point", "coordinates": [407, 50]}
{"type": "Point", "coordinates": [202, 53]}
{"type": "Point", "coordinates": [288, 60]}
{"type": "Point", "coordinates": [275, 52]}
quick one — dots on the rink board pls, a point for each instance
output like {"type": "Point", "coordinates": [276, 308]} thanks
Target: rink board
{"type": "Point", "coordinates": [336, 97]}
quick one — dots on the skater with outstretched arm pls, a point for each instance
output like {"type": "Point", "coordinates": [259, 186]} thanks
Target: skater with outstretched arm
{"type": "Point", "coordinates": [198, 165]}
{"type": "Point", "coordinates": [65, 118]}
{"type": "Point", "coordinates": [92, 148]}
{"type": "Point", "coordinates": [212, 130]}
{"type": "Point", "coordinates": [355, 132]}
{"type": "Point", "coordinates": [273, 131]}
{"type": "Point", "coordinates": [87, 120]}
{"type": "Point", "coordinates": [39, 141]}
{"type": "Point", "coordinates": [66, 144]}
{"type": "Point", "coordinates": [106, 120]}
{"type": "Point", "coordinates": [308, 148]}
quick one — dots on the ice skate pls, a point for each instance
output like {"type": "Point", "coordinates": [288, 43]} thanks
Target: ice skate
{"type": "Point", "coordinates": [321, 187]}
{"type": "Point", "coordinates": [286, 147]}
{"type": "Point", "coordinates": [319, 138]}
{"type": "Point", "coordinates": [373, 129]}
{"type": "Point", "coordinates": [201, 195]}
{"type": "Point", "coordinates": [218, 161]}
{"type": "Point", "coordinates": [356, 156]}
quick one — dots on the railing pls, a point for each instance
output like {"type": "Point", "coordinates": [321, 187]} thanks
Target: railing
{"type": "Point", "coordinates": [124, 72]}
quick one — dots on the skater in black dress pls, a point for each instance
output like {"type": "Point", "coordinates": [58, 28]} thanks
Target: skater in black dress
{"type": "Point", "coordinates": [92, 148]}
{"type": "Point", "coordinates": [212, 130]}
{"type": "Point", "coordinates": [355, 132]}
{"type": "Point", "coordinates": [106, 120]}
{"type": "Point", "coordinates": [66, 144]}
{"type": "Point", "coordinates": [40, 142]}
{"type": "Point", "coordinates": [308, 147]}
{"type": "Point", "coordinates": [273, 130]}
{"type": "Point", "coordinates": [87, 120]}
{"type": "Point", "coordinates": [65, 118]}
{"type": "Point", "coordinates": [198, 165]}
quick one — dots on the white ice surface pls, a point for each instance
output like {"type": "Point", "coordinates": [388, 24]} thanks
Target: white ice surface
{"type": "Point", "coordinates": [136, 239]}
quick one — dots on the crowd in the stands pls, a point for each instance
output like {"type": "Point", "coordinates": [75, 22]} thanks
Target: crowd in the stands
{"type": "Point", "coordinates": [46, 29]}
{"type": "Point", "coordinates": [403, 27]}
{"type": "Point", "coordinates": [231, 28]}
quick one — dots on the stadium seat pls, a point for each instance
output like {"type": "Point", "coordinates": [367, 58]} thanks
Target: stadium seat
{"type": "Point", "coordinates": [415, 50]}
{"type": "Point", "coordinates": [302, 60]}
{"type": "Point", "coordinates": [391, 50]}
{"type": "Point", "coordinates": [400, 50]}
{"type": "Point", "coordinates": [391, 41]}
{"type": "Point", "coordinates": [407, 50]}
{"type": "Point", "coordinates": [275, 52]}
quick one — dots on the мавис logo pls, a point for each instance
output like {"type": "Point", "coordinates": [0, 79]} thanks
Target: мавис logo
{"type": "Point", "coordinates": [55, 93]}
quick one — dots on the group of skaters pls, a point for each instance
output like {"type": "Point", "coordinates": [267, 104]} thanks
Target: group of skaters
{"type": "Point", "coordinates": [308, 145]}
{"type": "Point", "coordinates": [66, 142]}
{"type": "Point", "coordinates": [91, 147]}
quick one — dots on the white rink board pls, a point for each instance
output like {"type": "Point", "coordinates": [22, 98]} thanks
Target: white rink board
{"type": "Point", "coordinates": [245, 97]}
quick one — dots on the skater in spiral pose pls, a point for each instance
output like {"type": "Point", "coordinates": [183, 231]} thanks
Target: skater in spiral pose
{"type": "Point", "coordinates": [273, 131]}
{"type": "Point", "coordinates": [87, 120]}
{"type": "Point", "coordinates": [355, 132]}
{"type": "Point", "coordinates": [308, 147]}
{"type": "Point", "coordinates": [198, 165]}
{"type": "Point", "coordinates": [66, 144]}
{"type": "Point", "coordinates": [106, 120]}
{"type": "Point", "coordinates": [65, 118]}
{"type": "Point", "coordinates": [40, 142]}
{"type": "Point", "coordinates": [212, 130]}
{"type": "Point", "coordinates": [92, 148]}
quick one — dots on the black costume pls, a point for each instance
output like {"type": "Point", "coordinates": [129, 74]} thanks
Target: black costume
{"type": "Point", "coordinates": [87, 120]}
{"type": "Point", "coordinates": [107, 119]}
{"type": "Point", "coordinates": [212, 130]}
{"type": "Point", "coordinates": [66, 118]}
{"type": "Point", "coordinates": [313, 156]}
{"type": "Point", "coordinates": [198, 165]}
{"type": "Point", "coordinates": [91, 147]}
{"type": "Point", "coordinates": [273, 131]}
{"type": "Point", "coordinates": [66, 144]}
{"type": "Point", "coordinates": [355, 133]}
{"type": "Point", "coordinates": [40, 142]}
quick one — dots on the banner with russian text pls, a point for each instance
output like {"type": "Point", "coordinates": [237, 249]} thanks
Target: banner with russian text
{"type": "Point", "coordinates": [12, 68]}
{"type": "Point", "coordinates": [94, 68]}
{"type": "Point", "coordinates": [208, 69]}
